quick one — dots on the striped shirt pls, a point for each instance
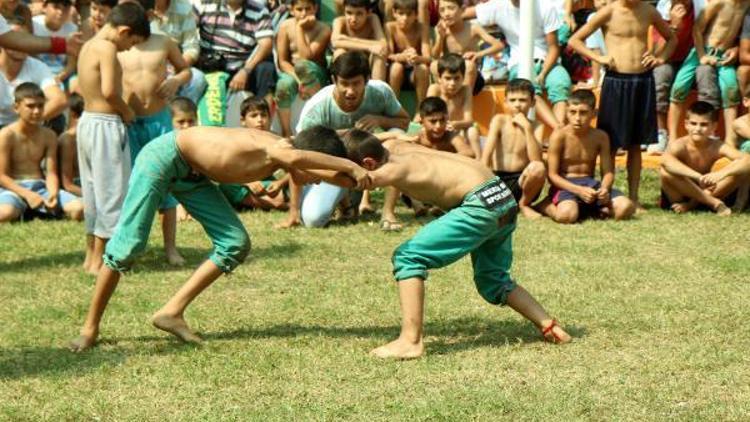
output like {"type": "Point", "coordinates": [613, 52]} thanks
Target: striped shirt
{"type": "Point", "coordinates": [233, 34]}
{"type": "Point", "coordinates": [178, 23]}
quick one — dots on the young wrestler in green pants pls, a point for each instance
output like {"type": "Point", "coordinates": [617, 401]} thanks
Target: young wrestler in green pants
{"type": "Point", "coordinates": [184, 163]}
{"type": "Point", "coordinates": [480, 219]}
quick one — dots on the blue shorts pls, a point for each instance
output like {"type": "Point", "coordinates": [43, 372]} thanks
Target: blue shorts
{"type": "Point", "coordinates": [559, 195]}
{"type": "Point", "coordinates": [38, 186]}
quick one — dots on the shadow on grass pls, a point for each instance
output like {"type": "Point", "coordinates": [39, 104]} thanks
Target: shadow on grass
{"type": "Point", "coordinates": [446, 336]}
{"type": "Point", "coordinates": [27, 362]}
{"type": "Point", "coordinates": [152, 260]}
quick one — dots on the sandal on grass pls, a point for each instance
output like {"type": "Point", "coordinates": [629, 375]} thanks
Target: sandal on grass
{"type": "Point", "coordinates": [390, 226]}
{"type": "Point", "coordinates": [550, 335]}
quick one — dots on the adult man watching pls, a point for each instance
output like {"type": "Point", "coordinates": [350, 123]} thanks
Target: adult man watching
{"type": "Point", "coordinates": [352, 101]}
{"type": "Point", "coordinates": [26, 42]}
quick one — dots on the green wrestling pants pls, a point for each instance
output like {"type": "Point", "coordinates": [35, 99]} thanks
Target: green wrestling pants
{"type": "Point", "coordinates": [159, 170]}
{"type": "Point", "coordinates": [483, 226]}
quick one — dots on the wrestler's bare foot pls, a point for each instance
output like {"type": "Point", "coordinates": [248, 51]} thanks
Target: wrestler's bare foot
{"type": "Point", "coordinates": [555, 334]}
{"type": "Point", "coordinates": [529, 212]}
{"type": "Point", "coordinates": [174, 257]}
{"type": "Point", "coordinates": [176, 326]}
{"type": "Point", "coordinates": [722, 210]}
{"type": "Point", "coordinates": [399, 349]}
{"type": "Point", "coordinates": [639, 208]}
{"type": "Point", "coordinates": [366, 209]}
{"type": "Point", "coordinates": [289, 223]}
{"type": "Point", "coordinates": [83, 342]}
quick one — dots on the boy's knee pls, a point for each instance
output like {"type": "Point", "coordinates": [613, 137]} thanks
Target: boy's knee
{"type": "Point", "coordinates": [9, 213]}
{"type": "Point", "coordinates": [566, 215]}
{"type": "Point", "coordinates": [494, 286]}
{"type": "Point", "coordinates": [316, 217]}
{"type": "Point", "coordinates": [536, 170]}
{"type": "Point", "coordinates": [623, 208]}
{"type": "Point", "coordinates": [233, 253]}
{"type": "Point", "coordinates": [74, 210]}
{"type": "Point", "coordinates": [406, 264]}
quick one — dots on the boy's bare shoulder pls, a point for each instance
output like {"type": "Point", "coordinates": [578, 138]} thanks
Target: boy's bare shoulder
{"type": "Point", "coordinates": [598, 135]}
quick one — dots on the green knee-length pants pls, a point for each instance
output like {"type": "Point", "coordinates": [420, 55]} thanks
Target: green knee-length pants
{"type": "Point", "coordinates": [158, 171]}
{"type": "Point", "coordinates": [482, 226]}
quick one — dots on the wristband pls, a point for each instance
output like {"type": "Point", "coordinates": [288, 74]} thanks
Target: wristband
{"type": "Point", "coordinates": [57, 45]}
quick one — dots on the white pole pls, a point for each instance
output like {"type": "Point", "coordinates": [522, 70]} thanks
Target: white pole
{"type": "Point", "coordinates": [526, 40]}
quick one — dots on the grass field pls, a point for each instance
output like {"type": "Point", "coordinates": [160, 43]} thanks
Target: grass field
{"type": "Point", "coordinates": [657, 306]}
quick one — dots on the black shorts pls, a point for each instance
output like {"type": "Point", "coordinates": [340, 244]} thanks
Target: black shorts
{"type": "Point", "coordinates": [511, 180]}
{"type": "Point", "coordinates": [627, 109]}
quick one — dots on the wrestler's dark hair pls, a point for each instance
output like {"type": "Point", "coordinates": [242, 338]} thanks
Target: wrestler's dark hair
{"type": "Point", "coordinates": [702, 108]}
{"type": "Point", "coordinates": [405, 5]}
{"type": "Point", "coordinates": [75, 104]}
{"type": "Point", "coordinates": [28, 90]}
{"type": "Point", "coordinates": [451, 62]}
{"type": "Point", "coordinates": [320, 139]}
{"type": "Point", "coordinates": [65, 3]}
{"type": "Point", "coordinates": [311, 2]}
{"type": "Point", "coordinates": [131, 15]}
{"type": "Point", "coordinates": [361, 144]}
{"type": "Point", "coordinates": [583, 96]}
{"type": "Point", "coordinates": [106, 3]}
{"type": "Point", "coordinates": [350, 65]}
{"type": "Point", "coordinates": [357, 3]}
{"type": "Point", "coordinates": [183, 105]}
{"type": "Point", "coordinates": [458, 3]}
{"type": "Point", "coordinates": [432, 105]}
{"type": "Point", "coordinates": [520, 85]}
{"type": "Point", "coordinates": [145, 4]}
{"type": "Point", "coordinates": [254, 104]}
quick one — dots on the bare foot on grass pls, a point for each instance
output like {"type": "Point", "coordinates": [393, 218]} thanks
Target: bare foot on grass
{"type": "Point", "coordinates": [175, 326]}
{"type": "Point", "coordinates": [174, 258]}
{"type": "Point", "coordinates": [529, 213]}
{"type": "Point", "coordinates": [553, 333]}
{"type": "Point", "coordinates": [288, 223]}
{"type": "Point", "coordinates": [722, 210]}
{"type": "Point", "coordinates": [399, 349]}
{"type": "Point", "coordinates": [82, 343]}
{"type": "Point", "coordinates": [639, 208]}
{"type": "Point", "coordinates": [682, 207]}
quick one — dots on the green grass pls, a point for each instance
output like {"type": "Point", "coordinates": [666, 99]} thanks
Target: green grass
{"type": "Point", "coordinates": [658, 307]}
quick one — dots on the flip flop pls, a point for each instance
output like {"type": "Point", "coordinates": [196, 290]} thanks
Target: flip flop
{"type": "Point", "coordinates": [390, 226]}
{"type": "Point", "coordinates": [549, 334]}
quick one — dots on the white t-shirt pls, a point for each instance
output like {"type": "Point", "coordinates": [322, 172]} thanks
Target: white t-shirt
{"type": "Point", "coordinates": [33, 70]}
{"type": "Point", "coordinates": [56, 62]}
{"type": "Point", "coordinates": [506, 16]}
{"type": "Point", "coordinates": [596, 40]}
{"type": "Point", "coordinates": [4, 27]}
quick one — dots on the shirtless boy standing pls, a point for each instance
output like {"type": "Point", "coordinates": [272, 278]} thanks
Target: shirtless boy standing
{"type": "Point", "coordinates": [686, 177]}
{"type": "Point", "coordinates": [628, 108]}
{"type": "Point", "coordinates": [186, 163]}
{"type": "Point", "coordinates": [360, 30]}
{"type": "Point", "coordinates": [714, 35]}
{"type": "Point", "coordinates": [512, 151]}
{"type": "Point", "coordinates": [451, 88]}
{"type": "Point", "coordinates": [103, 151]}
{"type": "Point", "coordinates": [480, 221]}
{"type": "Point", "coordinates": [301, 45]}
{"type": "Point", "coordinates": [453, 35]}
{"type": "Point", "coordinates": [147, 89]}
{"type": "Point", "coordinates": [571, 160]}
{"type": "Point", "coordinates": [23, 145]}
{"type": "Point", "coordinates": [409, 44]}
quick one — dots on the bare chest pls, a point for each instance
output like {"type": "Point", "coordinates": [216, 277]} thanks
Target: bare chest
{"type": "Point", "coordinates": [460, 42]}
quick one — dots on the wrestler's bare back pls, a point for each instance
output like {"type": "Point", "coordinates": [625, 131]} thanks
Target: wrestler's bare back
{"type": "Point", "coordinates": [435, 177]}
{"type": "Point", "coordinates": [237, 155]}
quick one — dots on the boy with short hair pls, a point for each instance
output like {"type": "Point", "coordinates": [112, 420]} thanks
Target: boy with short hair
{"type": "Point", "coordinates": [301, 45]}
{"type": "Point", "coordinates": [69, 175]}
{"type": "Point", "coordinates": [451, 88]}
{"type": "Point", "coordinates": [628, 108]}
{"type": "Point", "coordinates": [184, 113]}
{"type": "Point", "coordinates": [686, 177]}
{"type": "Point", "coordinates": [409, 44]}
{"type": "Point", "coordinates": [571, 160]}
{"type": "Point", "coordinates": [148, 87]}
{"type": "Point", "coordinates": [185, 163]}
{"type": "Point", "coordinates": [453, 35]}
{"type": "Point", "coordinates": [360, 30]}
{"type": "Point", "coordinates": [99, 11]}
{"type": "Point", "coordinates": [480, 220]}
{"type": "Point", "coordinates": [103, 150]}
{"type": "Point", "coordinates": [23, 145]}
{"type": "Point", "coordinates": [264, 194]}
{"type": "Point", "coordinates": [714, 33]}
{"type": "Point", "coordinates": [55, 22]}
{"type": "Point", "coordinates": [512, 151]}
